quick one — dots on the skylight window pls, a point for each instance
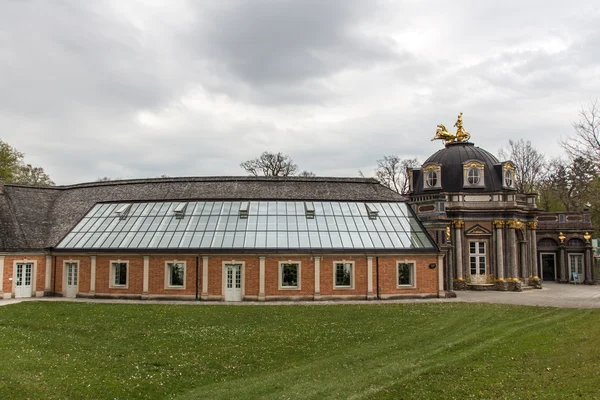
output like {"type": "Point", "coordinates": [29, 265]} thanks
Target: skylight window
{"type": "Point", "coordinates": [243, 211]}
{"type": "Point", "coordinates": [309, 208]}
{"type": "Point", "coordinates": [123, 211]}
{"type": "Point", "coordinates": [179, 210]}
{"type": "Point", "coordinates": [372, 211]}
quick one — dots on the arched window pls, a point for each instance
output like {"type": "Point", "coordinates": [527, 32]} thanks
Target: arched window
{"type": "Point", "coordinates": [508, 178]}
{"type": "Point", "coordinates": [575, 242]}
{"type": "Point", "coordinates": [547, 242]}
{"type": "Point", "coordinates": [432, 179]}
{"type": "Point", "coordinates": [473, 176]}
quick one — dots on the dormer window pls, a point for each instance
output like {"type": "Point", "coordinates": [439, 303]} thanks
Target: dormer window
{"type": "Point", "coordinates": [432, 176]}
{"type": "Point", "coordinates": [473, 176]}
{"type": "Point", "coordinates": [508, 175]}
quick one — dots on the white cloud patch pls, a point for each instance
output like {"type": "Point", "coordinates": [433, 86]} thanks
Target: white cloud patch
{"type": "Point", "coordinates": [142, 88]}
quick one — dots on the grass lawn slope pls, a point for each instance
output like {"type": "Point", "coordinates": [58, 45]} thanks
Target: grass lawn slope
{"type": "Point", "coordinates": [54, 350]}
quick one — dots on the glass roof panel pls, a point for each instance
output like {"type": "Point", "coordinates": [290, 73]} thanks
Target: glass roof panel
{"type": "Point", "coordinates": [270, 224]}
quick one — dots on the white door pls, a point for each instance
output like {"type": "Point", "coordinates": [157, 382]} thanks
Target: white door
{"type": "Point", "coordinates": [72, 270]}
{"type": "Point", "coordinates": [576, 268]}
{"type": "Point", "coordinates": [477, 262]}
{"type": "Point", "coordinates": [23, 281]}
{"type": "Point", "coordinates": [233, 282]}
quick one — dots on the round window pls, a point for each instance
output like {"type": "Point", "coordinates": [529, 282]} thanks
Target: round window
{"type": "Point", "coordinates": [473, 176]}
{"type": "Point", "coordinates": [508, 178]}
{"type": "Point", "coordinates": [432, 178]}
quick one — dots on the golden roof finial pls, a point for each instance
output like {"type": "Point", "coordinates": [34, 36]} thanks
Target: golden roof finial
{"type": "Point", "coordinates": [461, 134]}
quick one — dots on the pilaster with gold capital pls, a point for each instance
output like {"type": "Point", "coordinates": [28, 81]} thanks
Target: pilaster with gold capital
{"type": "Point", "coordinates": [498, 224]}
{"type": "Point", "coordinates": [532, 225]}
{"type": "Point", "coordinates": [514, 224]}
{"type": "Point", "coordinates": [458, 223]}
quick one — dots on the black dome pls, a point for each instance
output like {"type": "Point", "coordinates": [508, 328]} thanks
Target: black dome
{"type": "Point", "coordinates": [451, 159]}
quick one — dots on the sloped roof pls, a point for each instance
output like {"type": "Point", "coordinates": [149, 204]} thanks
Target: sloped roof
{"type": "Point", "coordinates": [34, 218]}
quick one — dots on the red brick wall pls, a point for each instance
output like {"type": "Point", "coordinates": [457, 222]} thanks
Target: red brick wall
{"type": "Point", "coordinates": [360, 275]}
{"type": "Point", "coordinates": [157, 279]}
{"type": "Point", "coordinates": [427, 279]}
{"type": "Point", "coordinates": [135, 278]}
{"type": "Point", "coordinates": [40, 271]}
{"type": "Point", "coordinates": [307, 276]}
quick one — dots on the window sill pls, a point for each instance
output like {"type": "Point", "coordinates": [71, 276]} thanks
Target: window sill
{"type": "Point", "coordinates": [118, 286]}
{"type": "Point", "coordinates": [289, 288]}
{"type": "Point", "coordinates": [174, 287]}
{"type": "Point", "coordinates": [406, 287]}
{"type": "Point", "coordinates": [343, 288]}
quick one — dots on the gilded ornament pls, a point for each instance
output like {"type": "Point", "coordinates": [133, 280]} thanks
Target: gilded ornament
{"type": "Point", "coordinates": [447, 234]}
{"type": "Point", "coordinates": [509, 167]}
{"type": "Point", "coordinates": [458, 223]}
{"type": "Point", "coordinates": [498, 223]}
{"type": "Point", "coordinates": [587, 237]}
{"type": "Point", "coordinates": [561, 237]}
{"type": "Point", "coordinates": [532, 225]}
{"type": "Point", "coordinates": [461, 135]}
{"type": "Point", "coordinates": [514, 224]}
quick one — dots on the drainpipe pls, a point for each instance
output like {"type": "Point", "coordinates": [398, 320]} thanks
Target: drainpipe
{"type": "Point", "coordinates": [377, 276]}
{"type": "Point", "coordinates": [196, 278]}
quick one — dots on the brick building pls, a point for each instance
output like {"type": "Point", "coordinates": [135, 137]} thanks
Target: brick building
{"type": "Point", "coordinates": [226, 238]}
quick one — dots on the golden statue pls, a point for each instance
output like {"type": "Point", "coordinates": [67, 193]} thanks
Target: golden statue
{"type": "Point", "coordinates": [461, 134]}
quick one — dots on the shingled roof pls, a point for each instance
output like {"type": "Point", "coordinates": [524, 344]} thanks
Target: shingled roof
{"type": "Point", "coordinates": [35, 218]}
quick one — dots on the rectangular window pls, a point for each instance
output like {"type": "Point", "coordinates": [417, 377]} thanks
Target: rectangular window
{"type": "Point", "coordinates": [289, 275]}
{"type": "Point", "coordinates": [406, 273]}
{"type": "Point", "coordinates": [344, 274]}
{"type": "Point", "coordinates": [176, 274]}
{"type": "Point", "coordinates": [119, 273]}
{"type": "Point", "coordinates": [477, 258]}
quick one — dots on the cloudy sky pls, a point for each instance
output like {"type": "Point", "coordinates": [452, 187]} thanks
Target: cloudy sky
{"type": "Point", "coordinates": [130, 89]}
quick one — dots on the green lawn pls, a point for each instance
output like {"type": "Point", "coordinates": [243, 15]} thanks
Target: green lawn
{"type": "Point", "coordinates": [53, 350]}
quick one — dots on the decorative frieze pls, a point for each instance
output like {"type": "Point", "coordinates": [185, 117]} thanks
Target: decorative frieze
{"type": "Point", "coordinates": [514, 224]}
{"type": "Point", "coordinates": [532, 225]}
{"type": "Point", "coordinates": [458, 223]}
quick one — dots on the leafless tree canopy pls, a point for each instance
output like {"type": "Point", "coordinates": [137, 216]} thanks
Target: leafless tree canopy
{"type": "Point", "coordinates": [271, 164]}
{"type": "Point", "coordinates": [392, 172]}
{"type": "Point", "coordinates": [585, 140]}
{"type": "Point", "coordinates": [529, 164]}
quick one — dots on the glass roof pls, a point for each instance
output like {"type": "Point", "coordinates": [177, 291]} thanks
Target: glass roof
{"type": "Point", "coordinates": [212, 225]}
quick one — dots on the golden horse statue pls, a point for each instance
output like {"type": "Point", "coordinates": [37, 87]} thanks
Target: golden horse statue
{"type": "Point", "coordinates": [461, 135]}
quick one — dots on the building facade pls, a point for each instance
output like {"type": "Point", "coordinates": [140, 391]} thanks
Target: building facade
{"type": "Point", "coordinates": [493, 236]}
{"type": "Point", "coordinates": [228, 238]}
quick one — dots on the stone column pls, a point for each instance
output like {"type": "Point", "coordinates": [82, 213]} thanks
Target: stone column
{"type": "Point", "coordinates": [561, 260]}
{"type": "Point", "coordinates": [440, 266]}
{"type": "Point", "coordinates": [317, 295]}
{"type": "Point", "coordinates": [458, 243]}
{"type": "Point", "coordinates": [204, 294]}
{"type": "Point", "coordinates": [146, 277]}
{"type": "Point", "coordinates": [370, 294]}
{"type": "Point", "coordinates": [499, 225]}
{"type": "Point", "coordinates": [48, 280]}
{"type": "Point", "coordinates": [588, 259]}
{"type": "Point", "coordinates": [523, 259]}
{"type": "Point", "coordinates": [532, 226]}
{"type": "Point", "coordinates": [261, 278]}
{"type": "Point", "coordinates": [92, 275]}
{"type": "Point", "coordinates": [511, 245]}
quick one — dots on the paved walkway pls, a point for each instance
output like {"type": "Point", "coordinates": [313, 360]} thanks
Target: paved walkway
{"type": "Point", "coordinates": [552, 295]}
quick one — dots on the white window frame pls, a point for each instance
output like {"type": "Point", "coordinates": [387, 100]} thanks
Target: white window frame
{"type": "Point", "coordinates": [33, 275]}
{"type": "Point", "coordinates": [413, 264]}
{"type": "Point", "coordinates": [472, 166]}
{"type": "Point", "coordinates": [508, 171]}
{"type": "Point", "coordinates": [224, 265]}
{"type": "Point", "coordinates": [427, 170]}
{"type": "Point", "coordinates": [168, 265]}
{"type": "Point", "coordinates": [353, 266]}
{"type": "Point", "coordinates": [280, 269]}
{"type": "Point", "coordinates": [478, 255]}
{"type": "Point", "coordinates": [112, 283]}
{"type": "Point", "coordinates": [65, 272]}
{"type": "Point", "coordinates": [572, 268]}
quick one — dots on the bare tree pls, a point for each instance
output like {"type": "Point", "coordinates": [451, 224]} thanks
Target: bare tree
{"type": "Point", "coordinates": [31, 175]}
{"type": "Point", "coordinates": [392, 172]}
{"type": "Point", "coordinates": [307, 174]}
{"type": "Point", "coordinates": [270, 164]}
{"type": "Point", "coordinates": [585, 141]}
{"type": "Point", "coordinates": [529, 164]}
